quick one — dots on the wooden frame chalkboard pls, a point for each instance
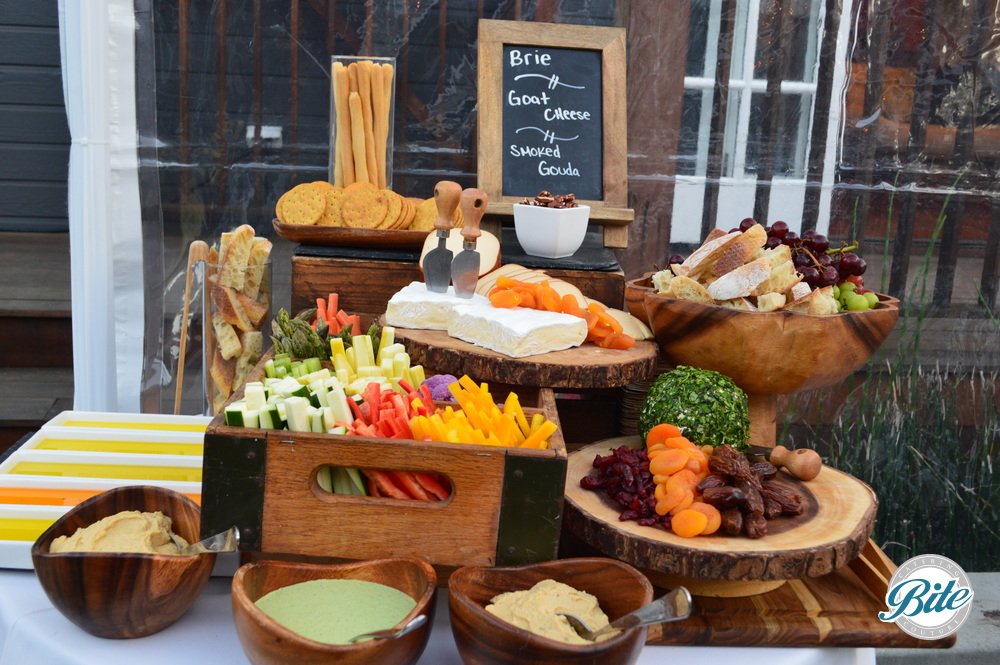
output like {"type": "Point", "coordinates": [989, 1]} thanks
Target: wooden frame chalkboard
{"type": "Point", "coordinates": [561, 117]}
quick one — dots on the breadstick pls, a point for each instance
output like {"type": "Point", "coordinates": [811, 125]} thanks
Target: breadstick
{"type": "Point", "coordinates": [387, 88]}
{"type": "Point", "coordinates": [358, 139]}
{"type": "Point", "coordinates": [365, 92]}
{"type": "Point", "coordinates": [338, 125]}
{"type": "Point", "coordinates": [352, 71]}
{"type": "Point", "coordinates": [379, 120]}
{"type": "Point", "coordinates": [342, 89]}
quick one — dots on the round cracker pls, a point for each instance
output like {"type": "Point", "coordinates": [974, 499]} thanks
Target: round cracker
{"type": "Point", "coordinates": [332, 215]}
{"type": "Point", "coordinates": [278, 212]}
{"type": "Point", "coordinates": [425, 215]}
{"type": "Point", "coordinates": [395, 205]}
{"type": "Point", "coordinates": [303, 204]}
{"type": "Point", "coordinates": [322, 184]}
{"type": "Point", "coordinates": [364, 207]}
{"type": "Point", "coordinates": [409, 213]}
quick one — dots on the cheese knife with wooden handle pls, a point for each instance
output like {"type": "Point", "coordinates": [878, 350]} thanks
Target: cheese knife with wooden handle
{"type": "Point", "coordinates": [465, 267]}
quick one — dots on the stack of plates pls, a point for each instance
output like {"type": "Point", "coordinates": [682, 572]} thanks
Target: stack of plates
{"type": "Point", "coordinates": [79, 454]}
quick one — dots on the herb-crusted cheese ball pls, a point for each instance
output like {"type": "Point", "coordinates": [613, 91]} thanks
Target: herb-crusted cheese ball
{"type": "Point", "coordinates": [708, 407]}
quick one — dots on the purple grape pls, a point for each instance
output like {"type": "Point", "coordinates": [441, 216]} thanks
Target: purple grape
{"type": "Point", "coordinates": [820, 243]}
{"type": "Point", "coordinates": [747, 223]}
{"type": "Point", "coordinates": [735, 229]}
{"type": "Point", "coordinates": [790, 238]}
{"type": "Point", "coordinates": [801, 259]}
{"type": "Point", "coordinates": [829, 276]}
{"type": "Point", "coordinates": [808, 234]}
{"type": "Point", "coordinates": [675, 258]}
{"type": "Point", "coordinates": [824, 260]}
{"type": "Point", "coordinates": [772, 242]}
{"type": "Point", "coordinates": [810, 275]}
{"type": "Point", "coordinates": [852, 264]}
{"type": "Point", "coordinates": [779, 229]}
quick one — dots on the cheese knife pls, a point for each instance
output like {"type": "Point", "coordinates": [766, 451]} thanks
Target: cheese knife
{"type": "Point", "coordinates": [437, 263]}
{"type": "Point", "coordinates": [465, 267]}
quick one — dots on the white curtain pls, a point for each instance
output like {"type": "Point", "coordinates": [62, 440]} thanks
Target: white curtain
{"type": "Point", "coordinates": [97, 41]}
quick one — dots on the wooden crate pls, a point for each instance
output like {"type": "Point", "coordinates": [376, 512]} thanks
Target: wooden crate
{"type": "Point", "coordinates": [505, 507]}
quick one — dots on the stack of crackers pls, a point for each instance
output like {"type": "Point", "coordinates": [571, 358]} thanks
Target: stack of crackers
{"type": "Point", "coordinates": [360, 205]}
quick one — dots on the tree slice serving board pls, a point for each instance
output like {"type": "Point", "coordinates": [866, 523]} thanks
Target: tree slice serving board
{"type": "Point", "coordinates": [833, 529]}
{"type": "Point", "coordinates": [587, 366]}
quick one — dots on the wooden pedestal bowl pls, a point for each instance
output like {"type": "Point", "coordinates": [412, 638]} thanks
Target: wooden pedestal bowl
{"type": "Point", "coordinates": [266, 642]}
{"type": "Point", "coordinates": [483, 639]}
{"type": "Point", "coordinates": [123, 595]}
{"type": "Point", "coordinates": [765, 353]}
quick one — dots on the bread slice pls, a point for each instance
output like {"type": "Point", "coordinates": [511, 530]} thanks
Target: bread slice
{"type": "Point", "coordinates": [253, 310]}
{"type": "Point", "coordinates": [738, 252]}
{"type": "Point", "coordinates": [225, 335]}
{"type": "Point", "coordinates": [739, 304]}
{"type": "Point", "coordinates": [685, 288]}
{"type": "Point", "coordinates": [741, 282]}
{"type": "Point", "coordinates": [819, 302]}
{"type": "Point", "coordinates": [798, 292]}
{"type": "Point", "coordinates": [783, 277]}
{"type": "Point", "coordinates": [227, 303]}
{"type": "Point", "coordinates": [260, 251]}
{"type": "Point", "coordinates": [253, 347]}
{"type": "Point", "coordinates": [222, 373]}
{"type": "Point", "coordinates": [235, 257]}
{"type": "Point", "coordinates": [703, 257]}
{"type": "Point", "coordinates": [661, 280]}
{"type": "Point", "coordinates": [770, 302]}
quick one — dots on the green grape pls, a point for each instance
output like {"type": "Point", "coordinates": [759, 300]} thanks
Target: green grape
{"type": "Point", "coordinates": [848, 286]}
{"type": "Point", "coordinates": [872, 299]}
{"type": "Point", "coordinates": [836, 292]}
{"type": "Point", "coordinates": [856, 303]}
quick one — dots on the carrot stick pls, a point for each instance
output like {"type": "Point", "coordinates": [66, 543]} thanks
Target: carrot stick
{"type": "Point", "coordinates": [331, 306]}
{"type": "Point", "coordinates": [321, 309]}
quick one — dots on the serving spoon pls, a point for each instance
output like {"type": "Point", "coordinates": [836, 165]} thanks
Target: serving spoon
{"type": "Point", "coordinates": [224, 541]}
{"type": "Point", "coordinates": [392, 633]}
{"type": "Point", "coordinates": [673, 606]}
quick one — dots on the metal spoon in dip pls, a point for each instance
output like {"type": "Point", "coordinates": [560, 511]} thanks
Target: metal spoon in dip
{"type": "Point", "coordinates": [392, 633]}
{"type": "Point", "coordinates": [225, 541]}
{"type": "Point", "coordinates": [673, 606]}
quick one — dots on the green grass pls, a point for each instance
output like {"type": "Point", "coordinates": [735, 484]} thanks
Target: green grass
{"type": "Point", "coordinates": [926, 439]}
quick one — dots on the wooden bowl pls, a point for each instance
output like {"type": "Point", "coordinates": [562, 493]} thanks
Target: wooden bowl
{"type": "Point", "coordinates": [483, 639]}
{"type": "Point", "coordinates": [266, 642]}
{"type": "Point", "coordinates": [764, 352]}
{"type": "Point", "coordinates": [123, 595]}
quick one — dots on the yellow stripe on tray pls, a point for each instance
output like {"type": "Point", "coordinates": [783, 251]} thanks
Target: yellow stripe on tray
{"type": "Point", "coordinates": [114, 424]}
{"type": "Point", "coordinates": [23, 529]}
{"type": "Point", "coordinates": [147, 447]}
{"type": "Point", "coordinates": [44, 496]}
{"type": "Point", "coordinates": [123, 471]}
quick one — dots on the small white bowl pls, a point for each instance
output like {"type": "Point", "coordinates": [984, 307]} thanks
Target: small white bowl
{"type": "Point", "coordinates": [553, 233]}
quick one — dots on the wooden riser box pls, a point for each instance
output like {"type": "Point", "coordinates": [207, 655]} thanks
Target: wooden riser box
{"type": "Point", "coordinates": [505, 507]}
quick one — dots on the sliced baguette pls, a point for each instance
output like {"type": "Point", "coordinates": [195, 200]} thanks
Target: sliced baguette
{"type": "Point", "coordinates": [738, 252]}
{"type": "Point", "coordinates": [254, 310]}
{"type": "Point", "coordinates": [661, 280]}
{"type": "Point", "coordinates": [685, 288]}
{"type": "Point", "coordinates": [798, 292]}
{"type": "Point", "coordinates": [739, 304]}
{"type": "Point", "coordinates": [770, 302]}
{"type": "Point", "coordinates": [783, 277]}
{"type": "Point", "coordinates": [741, 282]}
{"type": "Point", "coordinates": [703, 257]}
{"type": "Point", "coordinates": [819, 302]}
{"type": "Point", "coordinates": [228, 305]}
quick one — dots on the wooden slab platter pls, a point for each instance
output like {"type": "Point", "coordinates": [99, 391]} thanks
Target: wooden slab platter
{"type": "Point", "coordinates": [832, 531]}
{"type": "Point", "coordinates": [587, 366]}
{"type": "Point", "coordinates": [342, 236]}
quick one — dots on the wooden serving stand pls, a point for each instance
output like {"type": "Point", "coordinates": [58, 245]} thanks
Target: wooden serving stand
{"type": "Point", "coordinates": [587, 366]}
{"type": "Point", "coordinates": [814, 580]}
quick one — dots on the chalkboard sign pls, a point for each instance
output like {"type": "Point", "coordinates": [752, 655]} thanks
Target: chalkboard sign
{"type": "Point", "coordinates": [552, 133]}
{"type": "Point", "coordinates": [552, 116]}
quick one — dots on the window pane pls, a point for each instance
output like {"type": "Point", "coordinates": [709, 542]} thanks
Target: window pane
{"type": "Point", "coordinates": [698, 38]}
{"type": "Point", "coordinates": [796, 39]}
{"type": "Point", "coordinates": [687, 147]}
{"type": "Point", "coordinates": [792, 135]}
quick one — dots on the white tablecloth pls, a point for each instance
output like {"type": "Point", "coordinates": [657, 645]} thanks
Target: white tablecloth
{"type": "Point", "coordinates": [33, 632]}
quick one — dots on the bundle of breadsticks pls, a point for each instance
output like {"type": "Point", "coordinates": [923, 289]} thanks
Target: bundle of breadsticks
{"type": "Point", "coordinates": [362, 96]}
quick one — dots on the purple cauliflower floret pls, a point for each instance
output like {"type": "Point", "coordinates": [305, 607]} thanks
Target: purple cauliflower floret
{"type": "Point", "coordinates": [438, 385]}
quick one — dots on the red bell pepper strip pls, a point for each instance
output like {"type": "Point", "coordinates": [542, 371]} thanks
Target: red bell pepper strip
{"type": "Point", "coordinates": [432, 486]}
{"type": "Point", "coordinates": [385, 484]}
{"type": "Point", "coordinates": [409, 484]}
{"type": "Point", "coordinates": [356, 408]}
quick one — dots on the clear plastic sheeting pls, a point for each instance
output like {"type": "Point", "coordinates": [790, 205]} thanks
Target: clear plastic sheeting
{"type": "Point", "coordinates": [870, 121]}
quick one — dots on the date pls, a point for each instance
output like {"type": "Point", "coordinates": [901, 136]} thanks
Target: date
{"type": "Point", "coordinates": [764, 470]}
{"type": "Point", "coordinates": [724, 497]}
{"type": "Point", "coordinates": [754, 501]}
{"type": "Point", "coordinates": [754, 525]}
{"type": "Point", "coordinates": [791, 502]}
{"type": "Point", "coordinates": [732, 521]}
